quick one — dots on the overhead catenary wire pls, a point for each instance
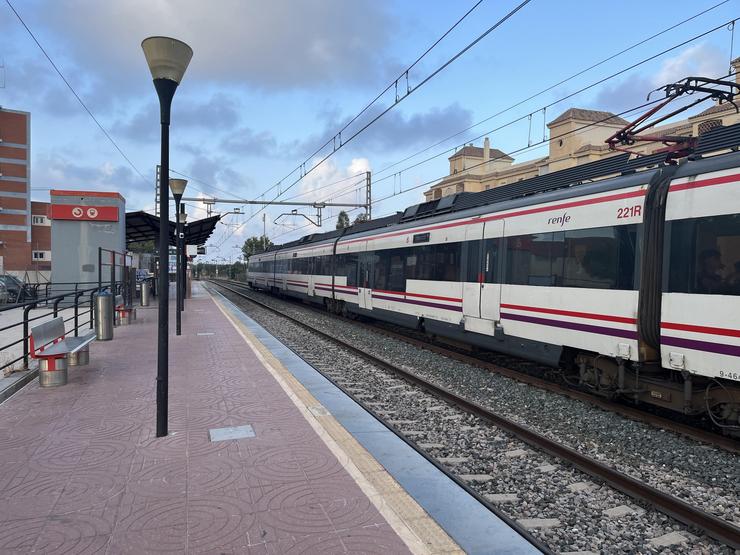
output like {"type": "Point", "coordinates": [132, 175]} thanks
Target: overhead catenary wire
{"type": "Point", "coordinates": [529, 146]}
{"type": "Point", "coordinates": [538, 144]}
{"type": "Point", "coordinates": [600, 81]}
{"type": "Point", "coordinates": [553, 86]}
{"type": "Point", "coordinates": [302, 167]}
{"type": "Point", "coordinates": [521, 102]}
{"type": "Point", "coordinates": [553, 103]}
{"type": "Point", "coordinates": [377, 97]}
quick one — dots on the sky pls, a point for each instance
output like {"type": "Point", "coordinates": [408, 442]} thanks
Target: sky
{"type": "Point", "coordinates": [271, 82]}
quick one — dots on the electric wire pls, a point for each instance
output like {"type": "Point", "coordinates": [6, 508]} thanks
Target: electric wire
{"type": "Point", "coordinates": [302, 167]}
{"type": "Point", "coordinates": [570, 95]}
{"type": "Point", "coordinates": [551, 87]}
{"type": "Point", "coordinates": [374, 100]}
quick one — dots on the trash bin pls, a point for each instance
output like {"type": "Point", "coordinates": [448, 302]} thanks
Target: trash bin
{"type": "Point", "coordinates": [145, 293]}
{"type": "Point", "coordinates": [104, 316]}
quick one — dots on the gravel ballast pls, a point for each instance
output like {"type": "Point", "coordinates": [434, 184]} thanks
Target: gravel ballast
{"type": "Point", "coordinates": [560, 505]}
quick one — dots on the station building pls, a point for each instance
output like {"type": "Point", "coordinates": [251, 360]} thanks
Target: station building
{"type": "Point", "coordinates": [577, 136]}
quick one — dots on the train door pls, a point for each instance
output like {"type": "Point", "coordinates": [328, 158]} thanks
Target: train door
{"type": "Point", "coordinates": [309, 273]}
{"type": "Point", "coordinates": [365, 293]}
{"type": "Point", "coordinates": [472, 278]}
{"type": "Point", "coordinates": [491, 287]}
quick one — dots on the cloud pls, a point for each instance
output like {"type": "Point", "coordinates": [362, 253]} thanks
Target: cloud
{"type": "Point", "coordinates": [247, 142]}
{"type": "Point", "coordinates": [395, 131]}
{"type": "Point", "coordinates": [59, 172]}
{"type": "Point", "coordinates": [220, 112]}
{"type": "Point", "coordinates": [699, 60]}
{"type": "Point", "coordinates": [50, 94]}
{"type": "Point", "coordinates": [264, 44]}
{"type": "Point", "coordinates": [215, 177]}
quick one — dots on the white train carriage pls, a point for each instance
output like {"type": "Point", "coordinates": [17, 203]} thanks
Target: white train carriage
{"type": "Point", "coordinates": [700, 318]}
{"type": "Point", "coordinates": [629, 284]}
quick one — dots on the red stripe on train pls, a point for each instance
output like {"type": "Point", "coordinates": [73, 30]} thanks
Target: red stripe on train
{"type": "Point", "coordinates": [575, 314]}
{"type": "Point", "coordinates": [501, 216]}
{"type": "Point", "coordinates": [700, 329]}
{"type": "Point", "coordinates": [705, 182]}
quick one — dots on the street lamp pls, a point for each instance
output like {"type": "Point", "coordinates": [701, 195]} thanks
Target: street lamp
{"type": "Point", "coordinates": [177, 186]}
{"type": "Point", "coordinates": [167, 59]}
{"type": "Point", "coordinates": [182, 219]}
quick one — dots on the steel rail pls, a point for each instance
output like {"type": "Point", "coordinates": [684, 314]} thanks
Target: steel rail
{"type": "Point", "coordinates": [633, 413]}
{"type": "Point", "coordinates": [694, 517]}
{"type": "Point", "coordinates": [526, 534]}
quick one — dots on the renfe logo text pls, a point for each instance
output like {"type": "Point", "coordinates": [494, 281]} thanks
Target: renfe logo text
{"type": "Point", "coordinates": [559, 220]}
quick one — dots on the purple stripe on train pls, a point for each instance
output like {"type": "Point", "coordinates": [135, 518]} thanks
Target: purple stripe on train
{"type": "Point", "coordinates": [628, 334]}
{"type": "Point", "coordinates": [708, 346]}
{"type": "Point", "coordinates": [420, 303]}
{"type": "Point", "coordinates": [337, 290]}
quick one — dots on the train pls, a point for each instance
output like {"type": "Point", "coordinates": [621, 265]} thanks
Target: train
{"type": "Point", "coordinates": [622, 274]}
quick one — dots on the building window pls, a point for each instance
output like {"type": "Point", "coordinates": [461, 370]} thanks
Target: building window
{"type": "Point", "coordinates": [39, 255]}
{"type": "Point", "coordinates": [38, 220]}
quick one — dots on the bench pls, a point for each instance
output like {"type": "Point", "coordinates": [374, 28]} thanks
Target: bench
{"type": "Point", "coordinates": [55, 352]}
{"type": "Point", "coordinates": [124, 314]}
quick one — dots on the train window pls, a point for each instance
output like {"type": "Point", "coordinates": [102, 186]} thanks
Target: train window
{"type": "Point", "coordinates": [322, 266]}
{"type": "Point", "coordinates": [346, 266]}
{"type": "Point", "coordinates": [381, 270]}
{"type": "Point", "coordinates": [535, 259]}
{"type": "Point", "coordinates": [705, 256]}
{"type": "Point", "coordinates": [396, 279]}
{"type": "Point", "coordinates": [473, 273]}
{"type": "Point", "coordinates": [490, 260]}
{"type": "Point", "coordinates": [591, 258]}
{"type": "Point", "coordinates": [598, 258]}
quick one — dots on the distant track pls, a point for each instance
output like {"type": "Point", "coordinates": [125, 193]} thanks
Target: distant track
{"type": "Point", "coordinates": [691, 516]}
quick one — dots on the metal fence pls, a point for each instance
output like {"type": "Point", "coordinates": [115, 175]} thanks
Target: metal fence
{"type": "Point", "coordinates": [76, 305]}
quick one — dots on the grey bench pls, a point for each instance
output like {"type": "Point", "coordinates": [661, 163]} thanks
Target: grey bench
{"type": "Point", "coordinates": [55, 351]}
{"type": "Point", "coordinates": [124, 314]}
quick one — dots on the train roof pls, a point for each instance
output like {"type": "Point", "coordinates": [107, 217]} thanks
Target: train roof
{"type": "Point", "coordinates": [521, 192]}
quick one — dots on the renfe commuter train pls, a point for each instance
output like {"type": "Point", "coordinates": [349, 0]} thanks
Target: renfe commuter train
{"type": "Point", "coordinates": [628, 284]}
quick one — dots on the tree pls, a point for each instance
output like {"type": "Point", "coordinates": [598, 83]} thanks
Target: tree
{"type": "Point", "coordinates": [255, 244]}
{"type": "Point", "coordinates": [342, 220]}
{"type": "Point", "coordinates": [364, 217]}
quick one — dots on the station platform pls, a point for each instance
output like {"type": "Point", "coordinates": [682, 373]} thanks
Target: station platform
{"type": "Point", "coordinates": [263, 455]}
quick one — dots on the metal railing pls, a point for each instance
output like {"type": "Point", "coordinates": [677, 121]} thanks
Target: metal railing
{"type": "Point", "coordinates": [114, 259]}
{"type": "Point", "coordinates": [78, 307]}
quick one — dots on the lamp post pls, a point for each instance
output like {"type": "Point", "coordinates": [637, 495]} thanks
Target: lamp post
{"type": "Point", "coordinates": [182, 219]}
{"type": "Point", "coordinates": [177, 186]}
{"type": "Point", "coordinates": [167, 59]}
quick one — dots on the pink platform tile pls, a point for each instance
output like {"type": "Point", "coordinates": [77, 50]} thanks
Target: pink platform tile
{"type": "Point", "coordinates": [84, 473]}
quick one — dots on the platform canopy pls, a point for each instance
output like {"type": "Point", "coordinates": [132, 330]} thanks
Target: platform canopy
{"type": "Point", "coordinates": [142, 226]}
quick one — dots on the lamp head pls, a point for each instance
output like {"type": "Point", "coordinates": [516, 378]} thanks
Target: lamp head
{"type": "Point", "coordinates": [177, 186]}
{"type": "Point", "coordinates": [167, 58]}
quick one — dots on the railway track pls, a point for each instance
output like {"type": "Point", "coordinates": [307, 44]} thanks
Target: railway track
{"type": "Point", "coordinates": [663, 422]}
{"type": "Point", "coordinates": [691, 516]}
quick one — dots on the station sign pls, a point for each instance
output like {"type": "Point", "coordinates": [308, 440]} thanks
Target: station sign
{"type": "Point", "coordinates": [84, 213]}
